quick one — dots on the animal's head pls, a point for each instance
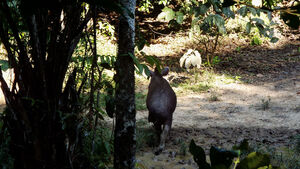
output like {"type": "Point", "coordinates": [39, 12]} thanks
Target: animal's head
{"type": "Point", "coordinates": [156, 72]}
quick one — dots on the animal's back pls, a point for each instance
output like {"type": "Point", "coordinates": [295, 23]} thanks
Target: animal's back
{"type": "Point", "coordinates": [161, 99]}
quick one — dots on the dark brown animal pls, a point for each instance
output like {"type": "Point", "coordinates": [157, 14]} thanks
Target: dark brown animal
{"type": "Point", "coordinates": [161, 103]}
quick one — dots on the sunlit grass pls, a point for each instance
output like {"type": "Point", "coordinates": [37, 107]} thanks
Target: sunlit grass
{"type": "Point", "coordinates": [203, 81]}
{"type": "Point", "coordinates": [140, 101]}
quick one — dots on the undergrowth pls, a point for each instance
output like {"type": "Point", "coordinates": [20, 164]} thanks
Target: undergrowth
{"type": "Point", "coordinates": [6, 161]}
{"type": "Point", "coordinates": [145, 135]}
{"type": "Point", "coordinates": [202, 81]}
{"type": "Point", "coordinates": [287, 157]}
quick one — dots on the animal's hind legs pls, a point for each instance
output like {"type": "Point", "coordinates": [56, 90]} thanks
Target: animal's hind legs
{"type": "Point", "coordinates": [158, 131]}
{"type": "Point", "coordinates": [163, 137]}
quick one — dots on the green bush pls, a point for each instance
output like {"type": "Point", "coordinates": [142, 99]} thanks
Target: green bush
{"type": "Point", "coordinates": [224, 159]}
{"type": "Point", "coordinates": [98, 147]}
{"type": "Point", "coordinates": [145, 135]}
{"type": "Point", "coordinates": [140, 101]}
{"type": "Point", "coordinates": [6, 161]}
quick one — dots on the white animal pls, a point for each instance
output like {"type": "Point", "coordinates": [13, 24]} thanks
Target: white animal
{"type": "Point", "coordinates": [191, 58]}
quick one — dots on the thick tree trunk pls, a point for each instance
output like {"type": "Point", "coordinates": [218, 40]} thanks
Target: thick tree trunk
{"type": "Point", "coordinates": [125, 133]}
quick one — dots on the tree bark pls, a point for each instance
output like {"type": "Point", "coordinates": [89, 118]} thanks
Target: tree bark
{"type": "Point", "coordinates": [125, 133]}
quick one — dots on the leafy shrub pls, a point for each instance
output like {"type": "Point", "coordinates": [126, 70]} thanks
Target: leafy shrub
{"type": "Point", "coordinates": [224, 159]}
{"type": "Point", "coordinates": [98, 147]}
{"type": "Point", "coordinates": [265, 103]}
{"type": "Point", "coordinates": [297, 138]}
{"type": "Point", "coordinates": [256, 40]}
{"type": "Point", "coordinates": [220, 158]}
{"type": "Point", "coordinates": [145, 135]}
{"type": "Point", "coordinates": [213, 97]}
{"type": "Point", "coordinates": [6, 161]}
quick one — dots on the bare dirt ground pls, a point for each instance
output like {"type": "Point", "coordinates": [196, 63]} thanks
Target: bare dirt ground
{"type": "Point", "coordinates": [264, 108]}
{"type": "Point", "coordinates": [239, 114]}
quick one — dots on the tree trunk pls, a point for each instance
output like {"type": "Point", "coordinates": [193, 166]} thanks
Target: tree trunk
{"type": "Point", "coordinates": [125, 133]}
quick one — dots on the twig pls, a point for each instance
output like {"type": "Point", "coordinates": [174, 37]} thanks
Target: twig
{"type": "Point", "coordinates": [94, 64]}
{"type": "Point", "coordinates": [160, 33]}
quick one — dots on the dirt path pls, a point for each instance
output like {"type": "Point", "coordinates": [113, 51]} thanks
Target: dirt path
{"type": "Point", "coordinates": [239, 114]}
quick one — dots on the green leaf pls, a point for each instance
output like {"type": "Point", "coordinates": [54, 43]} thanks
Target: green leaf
{"type": "Point", "coordinates": [248, 27]}
{"type": "Point", "coordinates": [107, 147]}
{"type": "Point", "coordinates": [262, 29]}
{"type": "Point", "coordinates": [274, 39]}
{"type": "Point", "coordinates": [244, 146]}
{"type": "Point", "coordinates": [205, 26]}
{"type": "Point", "coordinates": [4, 65]}
{"type": "Point", "coordinates": [195, 22]}
{"type": "Point", "coordinates": [208, 4]}
{"type": "Point", "coordinates": [221, 157]}
{"type": "Point", "coordinates": [167, 14]}
{"type": "Point", "coordinates": [216, 5]}
{"type": "Point", "coordinates": [214, 20]}
{"type": "Point", "coordinates": [269, 15]}
{"type": "Point", "coordinates": [258, 20]}
{"type": "Point", "coordinates": [150, 60]}
{"type": "Point", "coordinates": [228, 12]}
{"type": "Point", "coordinates": [179, 17]}
{"type": "Point", "coordinates": [153, 61]}
{"type": "Point", "coordinates": [146, 70]}
{"type": "Point", "coordinates": [270, 3]}
{"type": "Point", "coordinates": [201, 10]}
{"type": "Point", "coordinates": [220, 23]}
{"type": "Point", "coordinates": [254, 160]}
{"type": "Point", "coordinates": [256, 41]}
{"type": "Point", "coordinates": [243, 11]}
{"type": "Point", "coordinates": [139, 67]}
{"type": "Point", "coordinates": [141, 42]}
{"type": "Point", "coordinates": [253, 11]}
{"type": "Point", "coordinates": [170, 14]}
{"type": "Point", "coordinates": [199, 155]}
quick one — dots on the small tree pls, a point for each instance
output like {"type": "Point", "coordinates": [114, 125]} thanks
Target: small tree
{"type": "Point", "coordinates": [40, 38]}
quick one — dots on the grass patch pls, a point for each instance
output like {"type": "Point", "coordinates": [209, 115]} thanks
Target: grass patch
{"type": "Point", "coordinates": [197, 88]}
{"type": "Point", "coordinates": [213, 97]}
{"type": "Point", "coordinates": [265, 103]}
{"type": "Point", "coordinates": [140, 101]}
{"type": "Point", "coordinates": [285, 157]}
{"type": "Point", "coordinates": [145, 134]}
{"type": "Point", "coordinates": [203, 81]}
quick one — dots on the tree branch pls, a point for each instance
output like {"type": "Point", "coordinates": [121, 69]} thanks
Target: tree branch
{"type": "Point", "coordinates": [13, 105]}
{"type": "Point", "coordinates": [283, 9]}
{"type": "Point", "coordinates": [5, 40]}
{"type": "Point", "coordinates": [5, 89]}
{"type": "Point", "coordinates": [24, 60]}
{"type": "Point", "coordinates": [37, 56]}
{"type": "Point", "coordinates": [11, 58]}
